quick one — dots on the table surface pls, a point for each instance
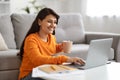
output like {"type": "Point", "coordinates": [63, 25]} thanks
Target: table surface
{"type": "Point", "coordinates": [106, 72]}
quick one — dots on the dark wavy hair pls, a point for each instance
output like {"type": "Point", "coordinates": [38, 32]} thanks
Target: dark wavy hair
{"type": "Point", "coordinates": [35, 27]}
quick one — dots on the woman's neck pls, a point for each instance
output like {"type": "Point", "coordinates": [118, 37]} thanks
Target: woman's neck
{"type": "Point", "coordinates": [43, 36]}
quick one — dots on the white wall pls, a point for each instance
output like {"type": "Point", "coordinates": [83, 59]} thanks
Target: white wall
{"type": "Point", "coordinates": [64, 6]}
{"type": "Point", "coordinates": [61, 6]}
{"type": "Point", "coordinates": [17, 5]}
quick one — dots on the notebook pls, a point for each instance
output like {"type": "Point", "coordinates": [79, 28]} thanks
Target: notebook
{"type": "Point", "coordinates": [97, 53]}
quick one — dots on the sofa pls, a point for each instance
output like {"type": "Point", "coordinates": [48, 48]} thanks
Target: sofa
{"type": "Point", "coordinates": [13, 28]}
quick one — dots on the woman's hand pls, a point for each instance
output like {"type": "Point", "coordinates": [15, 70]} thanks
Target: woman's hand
{"type": "Point", "coordinates": [61, 46]}
{"type": "Point", "coordinates": [76, 60]}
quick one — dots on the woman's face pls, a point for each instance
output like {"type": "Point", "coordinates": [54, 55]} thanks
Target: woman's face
{"type": "Point", "coordinates": [48, 24]}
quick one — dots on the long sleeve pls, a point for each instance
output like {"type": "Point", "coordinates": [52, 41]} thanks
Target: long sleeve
{"type": "Point", "coordinates": [39, 55]}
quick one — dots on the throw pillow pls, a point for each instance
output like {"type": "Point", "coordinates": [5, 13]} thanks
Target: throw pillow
{"type": "Point", "coordinates": [3, 45]}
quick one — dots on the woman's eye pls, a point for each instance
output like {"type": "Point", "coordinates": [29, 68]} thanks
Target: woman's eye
{"type": "Point", "coordinates": [55, 22]}
{"type": "Point", "coordinates": [52, 22]}
{"type": "Point", "coordinates": [49, 21]}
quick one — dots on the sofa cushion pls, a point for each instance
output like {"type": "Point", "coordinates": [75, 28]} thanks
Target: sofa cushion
{"type": "Point", "coordinates": [21, 23]}
{"type": "Point", "coordinates": [9, 75]}
{"type": "Point", "coordinates": [6, 29]}
{"type": "Point", "coordinates": [79, 50]}
{"type": "Point", "coordinates": [70, 27]}
{"type": "Point", "coordinates": [3, 45]}
{"type": "Point", "coordinates": [9, 60]}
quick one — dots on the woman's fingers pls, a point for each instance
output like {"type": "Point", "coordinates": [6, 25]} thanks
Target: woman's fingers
{"type": "Point", "coordinates": [76, 60]}
{"type": "Point", "coordinates": [79, 61]}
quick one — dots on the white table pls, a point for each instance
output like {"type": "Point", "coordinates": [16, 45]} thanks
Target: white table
{"type": "Point", "coordinates": [106, 72]}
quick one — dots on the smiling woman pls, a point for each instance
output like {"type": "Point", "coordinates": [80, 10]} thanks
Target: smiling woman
{"type": "Point", "coordinates": [40, 46]}
{"type": "Point", "coordinates": [103, 7]}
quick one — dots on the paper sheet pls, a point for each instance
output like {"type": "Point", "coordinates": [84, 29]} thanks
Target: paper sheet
{"type": "Point", "coordinates": [36, 72]}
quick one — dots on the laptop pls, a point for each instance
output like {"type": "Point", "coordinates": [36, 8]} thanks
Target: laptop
{"type": "Point", "coordinates": [97, 53]}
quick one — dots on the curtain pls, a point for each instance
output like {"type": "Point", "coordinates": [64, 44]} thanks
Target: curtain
{"type": "Point", "coordinates": [102, 16]}
{"type": "Point", "coordinates": [102, 24]}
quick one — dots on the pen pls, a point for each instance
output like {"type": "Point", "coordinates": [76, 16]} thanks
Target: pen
{"type": "Point", "coordinates": [53, 67]}
{"type": "Point", "coordinates": [65, 67]}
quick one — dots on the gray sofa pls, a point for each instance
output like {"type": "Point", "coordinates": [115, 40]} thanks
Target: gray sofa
{"type": "Point", "coordinates": [14, 27]}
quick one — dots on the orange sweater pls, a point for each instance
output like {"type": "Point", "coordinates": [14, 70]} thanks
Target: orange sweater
{"type": "Point", "coordinates": [38, 52]}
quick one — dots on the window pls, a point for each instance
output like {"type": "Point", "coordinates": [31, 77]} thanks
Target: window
{"type": "Point", "coordinates": [103, 7]}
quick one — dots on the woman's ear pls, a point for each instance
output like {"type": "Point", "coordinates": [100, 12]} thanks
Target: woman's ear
{"type": "Point", "coordinates": [39, 22]}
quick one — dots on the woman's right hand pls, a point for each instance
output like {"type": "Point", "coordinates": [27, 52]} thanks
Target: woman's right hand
{"type": "Point", "coordinates": [76, 60]}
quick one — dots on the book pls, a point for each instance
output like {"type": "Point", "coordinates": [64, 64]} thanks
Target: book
{"type": "Point", "coordinates": [56, 68]}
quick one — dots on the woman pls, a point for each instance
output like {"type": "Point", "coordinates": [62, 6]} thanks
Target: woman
{"type": "Point", "coordinates": [40, 45]}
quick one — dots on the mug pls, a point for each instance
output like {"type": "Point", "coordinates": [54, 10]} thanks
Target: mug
{"type": "Point", "coordinates": [67, 45]}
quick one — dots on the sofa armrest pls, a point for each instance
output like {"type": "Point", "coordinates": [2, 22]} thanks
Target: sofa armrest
{"type": "Point", "coordinates": [118, 52]}
{"type": "Point", "coordinates": [99, 35]}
